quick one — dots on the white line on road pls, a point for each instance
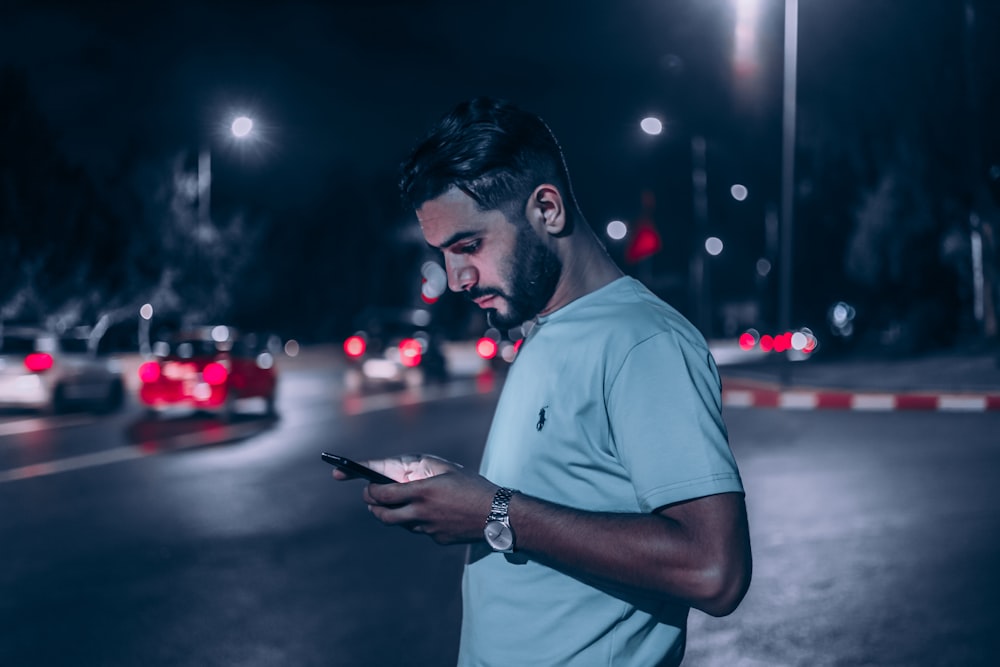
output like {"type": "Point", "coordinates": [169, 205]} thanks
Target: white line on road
{"type": "Point", "coordinates": [362, 405]}
{"type": "Point", "coordinates": [72, 463]}
{"type": "Point", "coordinates": [42, 423]}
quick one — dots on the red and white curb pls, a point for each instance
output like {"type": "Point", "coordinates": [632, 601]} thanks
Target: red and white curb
{"type": "Point", "coordinates": [738, 393]}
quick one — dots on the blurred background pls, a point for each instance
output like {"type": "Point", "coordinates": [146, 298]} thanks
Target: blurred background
{"type": "Point", "coordinates": [206, 278]}
{"type": "Point", "coordinates": [877, 160]}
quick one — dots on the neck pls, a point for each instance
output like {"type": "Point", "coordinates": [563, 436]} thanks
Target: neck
{"type": "Point", "coordinates": [586, 268]}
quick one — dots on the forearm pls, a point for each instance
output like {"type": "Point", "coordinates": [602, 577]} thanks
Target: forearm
{"type": "Point", "coordinates": [649, 552]}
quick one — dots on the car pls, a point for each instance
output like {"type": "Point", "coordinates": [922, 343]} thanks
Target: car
{"type": "Point", "coordinates": [393, 347]}
{"type": "Point", "coordinates": [53, 372]}
{"type": "Point", "coordinates": [211, 369]}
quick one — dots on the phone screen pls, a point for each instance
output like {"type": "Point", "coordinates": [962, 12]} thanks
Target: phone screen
{"type": "Point", "coordinates": [355, 468]}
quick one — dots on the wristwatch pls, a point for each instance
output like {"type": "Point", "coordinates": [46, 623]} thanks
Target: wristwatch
{"type": "Point", "coordinates": [499, 535]}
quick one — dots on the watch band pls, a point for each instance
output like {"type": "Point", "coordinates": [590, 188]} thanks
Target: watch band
{"type": "Point", "coordinates": [501, 503]}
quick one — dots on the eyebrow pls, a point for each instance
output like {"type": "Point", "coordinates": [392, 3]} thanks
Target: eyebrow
{"type": "Point", "coordinates": [455, 238]}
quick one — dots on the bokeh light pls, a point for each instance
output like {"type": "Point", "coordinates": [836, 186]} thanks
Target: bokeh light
{"type": "Point", "coordinates": [651, 125]}
{"type": "Point", "coordinates": [242, 126]}
{"type": "Point", "coordinates": [617, 230]}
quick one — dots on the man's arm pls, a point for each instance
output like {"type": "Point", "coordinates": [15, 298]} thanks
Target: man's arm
{"type": "Point", "coordinates": [697, 551]}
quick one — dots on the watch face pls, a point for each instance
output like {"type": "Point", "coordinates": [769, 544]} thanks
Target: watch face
{"type": "Point", "coordinates": [499, 536]}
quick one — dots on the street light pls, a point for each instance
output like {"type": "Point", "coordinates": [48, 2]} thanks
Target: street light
{"type": "Point", "coordinates": [240, 128]}
{"type": "Point", "coordinates": [145, 315]}
{"type": "Point", "coordinates": [651, 125]}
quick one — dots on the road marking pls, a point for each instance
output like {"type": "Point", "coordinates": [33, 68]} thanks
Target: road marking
{"type": "Point", "coordinates": [873, 402]}
{"type": "Point", "coordinates": [131, 452]}
{"type": "Point", "coordinates": [752, 394]}
{"type": "Point", "coordinates": [962, 403]}
{"type": "Point", "coordinates": [42, 423]}
{"type": "Point", "coordinates": [362, 405]}
{"type": "Point", "coordinates": [72, 463]}
{"type": "Point", "coordinates": [798, 400]}
{"type": "Point", "coordinates": [738, 398]}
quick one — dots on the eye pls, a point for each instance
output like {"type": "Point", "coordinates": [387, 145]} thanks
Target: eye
{"type": "Point", "coordinates": [468, 248]}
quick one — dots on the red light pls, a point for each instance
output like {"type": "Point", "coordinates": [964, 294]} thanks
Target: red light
{"type": "Point", "coordinates": [487, 348]}
{"type": "Point", "coordinates": [766, 343]}
{"type": "Point", "coordinates": [149, 372]}
{"type": "Point", "coordinates": [810, 344]}
{"type": "Point", "coordinates": [424, 296]}
{"type": "Point", "coordinates": [410, 352]}
{"type": "Point", "coordinates": [36, 362]}
{"type": "Point", "coordinates": [354, 346]}
{"type": "Point", "coordinates": [215, 373]}
{"type": "Point", "coordinates": [747, 340]}
{"type": "Point", "coordinates": [783, 342]}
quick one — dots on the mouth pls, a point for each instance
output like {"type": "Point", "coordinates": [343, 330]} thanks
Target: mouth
{"type": "Point", "coordinates": [484, 301]}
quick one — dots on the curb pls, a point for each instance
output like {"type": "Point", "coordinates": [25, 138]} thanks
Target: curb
{"type": "Point", "coordinates": [741, 393]}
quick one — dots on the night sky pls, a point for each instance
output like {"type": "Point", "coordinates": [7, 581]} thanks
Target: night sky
{"type": "Point", "coordinates": [348, 87]}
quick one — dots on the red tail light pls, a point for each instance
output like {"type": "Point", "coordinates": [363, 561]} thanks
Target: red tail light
{"type": "Point", "coordinates": [215, 373]}
{"type": "Point", "coordinates": [487, 348]}
{"type": "Point", "coordinates": [149, 372]}
{"type": "Point", "coordinates": [354, 346]}
{"type": "Point", "coordinates": [37, 362]}
{"type": "Point", "coordinates": [410, 352]}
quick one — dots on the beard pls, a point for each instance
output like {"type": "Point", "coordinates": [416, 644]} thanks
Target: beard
{"type": "Point", "coordinates": [534, 274]}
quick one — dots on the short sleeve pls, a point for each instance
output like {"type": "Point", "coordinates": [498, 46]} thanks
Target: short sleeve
{"type": "Point", "coordinates": [665, 413]}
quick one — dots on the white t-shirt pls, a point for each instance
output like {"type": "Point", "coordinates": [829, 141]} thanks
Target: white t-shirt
{"type": "Point", "coordinates": [612, 405]}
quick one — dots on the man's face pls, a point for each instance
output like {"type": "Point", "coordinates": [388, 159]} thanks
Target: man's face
{"type": "Point", "coordinates": [503, 266]}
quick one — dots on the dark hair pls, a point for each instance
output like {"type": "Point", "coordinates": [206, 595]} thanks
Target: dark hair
{"type": "Point", "coordinates": [492, 151]}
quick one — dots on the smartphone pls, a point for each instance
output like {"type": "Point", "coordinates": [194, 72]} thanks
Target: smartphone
{"type": "Point", "coordinates": [356, 469]}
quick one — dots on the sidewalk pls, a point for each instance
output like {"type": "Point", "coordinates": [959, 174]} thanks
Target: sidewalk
{"type": "Point", "coordinates": [957, 380]}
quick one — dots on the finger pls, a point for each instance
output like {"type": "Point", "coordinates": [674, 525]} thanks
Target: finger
{"type": "Point", "coordinates": [377, 494]}
{"type": "Point", "coordinates": [394, 494]}
{"type": "Point", "coordinates": [395, 516]}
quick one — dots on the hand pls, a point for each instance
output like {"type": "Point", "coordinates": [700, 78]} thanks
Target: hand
{"type": "Point", "coordinates": [449, 504]}
{"type": "Point", "coordinates": [405, 468]}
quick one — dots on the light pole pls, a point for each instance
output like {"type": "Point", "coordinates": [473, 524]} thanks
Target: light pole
{"type": "Point", "coordinates": [145, 315]}
{"type": "Point", "coordinates": [788, 161]}
{"type": "Point", "coordinates": [240, 128]}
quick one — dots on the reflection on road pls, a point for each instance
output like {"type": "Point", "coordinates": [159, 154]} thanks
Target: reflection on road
{"type": "Point", "coordinates": [40, 445]}
{"type": "Point", "coordinates": [155, 435]}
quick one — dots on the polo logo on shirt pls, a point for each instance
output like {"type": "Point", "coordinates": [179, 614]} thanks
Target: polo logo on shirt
{"type": "Point", "coordinates": [541, 419]}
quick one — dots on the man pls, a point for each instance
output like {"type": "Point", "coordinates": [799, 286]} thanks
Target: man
{"type": "Point", "coordinates": [609, 502]}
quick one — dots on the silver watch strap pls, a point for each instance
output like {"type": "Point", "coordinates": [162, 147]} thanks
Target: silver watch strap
{"type": "Point", "coordinates": [501, 502]}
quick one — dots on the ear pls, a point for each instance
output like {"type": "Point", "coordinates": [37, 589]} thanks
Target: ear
{"type": "Point", "coordinates": [546, 210]}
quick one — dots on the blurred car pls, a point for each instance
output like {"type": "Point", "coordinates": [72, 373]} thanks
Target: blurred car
{"type": "Point", "coordinates": [211, 369]}
{"type": "Point", "coordinates": [797, 345]}
{"type": "Point", "coordinates": [51, 372]}
{"type": "Point", "coordinates": [393, 346]}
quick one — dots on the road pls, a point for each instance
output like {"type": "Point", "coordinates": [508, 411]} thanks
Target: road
{"type": "Point", "coordinates": [184, 541]}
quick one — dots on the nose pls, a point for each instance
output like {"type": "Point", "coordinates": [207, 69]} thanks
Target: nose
{"type": "Point", "coordinates": [461, 275]}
